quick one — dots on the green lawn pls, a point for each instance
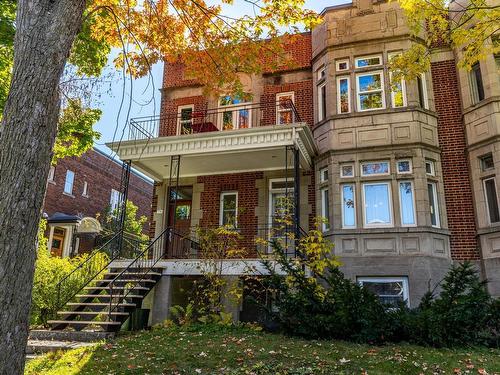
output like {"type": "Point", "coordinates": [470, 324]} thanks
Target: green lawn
{"type": "Point", "coordinates": [219, 350]}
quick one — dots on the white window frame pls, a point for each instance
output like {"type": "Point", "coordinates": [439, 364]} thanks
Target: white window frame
{"type": "Point", "coordinates": [325, 212]}
{"type": "Point", "coordinates": [348, 78]}
{"type": "Point", "coordinates": [382, 90]}
{"type": "Point", "coordinates": [433, 167]}
{"type": "Point", "coordinates": [358, 59]}
{"type": "Point", "coordinates": [425, 96]}
{"type": "Point", "coordinates": [322, 174]}
{"type": "Point", "coordinates": [278, 110]}
{"type": "Point", "coordinates": [389, 199]}
{"type": "Point", "coordinates": [85, 191]}
{"type": "Point", "coordinates": [321, 73]}
{"type": "Point", "coordinates": [413, 202]}
{"type": "Point", "coordinates": [342, 201]}
{"type": "Point", "coordinates": [403, 160]}
{"type": "Point", "coordinates": [66, 182]}
{"type": "Point", "coordinates": [375, 174]}
{"type": "Point", "coordinates": [342, 170]}
{"type": "Point", "coordinates": [114, 203]}
{"type": "Point", "coordinates": [486, 198]}
{"type": "Point", "coordinates": [235, 108]}
{"type": "Point", "coordinates": [221, 207]}
{"type": "Point", "coordinates": [338, 62]}
{"type": "Point", "coordinates": [52, 174]}
{"type": "Point", "coordinates": [481, 162]}
{"type": "Point", "coordinates": [321, 105]}
{"type": "Point", "coordinates": [393, 93]}
{"type": "Point", "coordinates": [403, 280]}
{"type": "Point", "coordinates": [436, 204]}
{"type": "Point", "coordinates": [180, 121]}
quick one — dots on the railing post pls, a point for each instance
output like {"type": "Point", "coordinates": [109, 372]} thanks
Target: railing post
{"type": "Point", "coordinates": [297, 197]}
{"type": "Point", "coordinates": [122, 214]}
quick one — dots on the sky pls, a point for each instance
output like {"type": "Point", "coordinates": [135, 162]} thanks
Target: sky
{"type": "Point", "coordinates": [119, 103]}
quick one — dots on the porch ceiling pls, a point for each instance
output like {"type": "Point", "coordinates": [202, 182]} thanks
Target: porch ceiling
{"type": "Point", "coordinates": [242, 150]}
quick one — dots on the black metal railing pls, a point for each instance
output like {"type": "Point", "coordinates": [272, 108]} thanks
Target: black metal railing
{"type": "Point", "coordinates": [194, 121]}
{"type": "Point", "coordinates": [143, 265]}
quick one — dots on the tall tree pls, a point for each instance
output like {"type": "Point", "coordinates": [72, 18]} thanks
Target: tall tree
{"type": "Point", "coordinates": [47, 31]}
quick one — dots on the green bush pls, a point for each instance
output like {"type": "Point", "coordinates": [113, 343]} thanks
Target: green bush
{"type": "Point", "coordinates": [49, 271]}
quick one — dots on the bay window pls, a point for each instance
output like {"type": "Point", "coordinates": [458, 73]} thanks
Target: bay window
{"type": "Point", "coordinates": [476, 81]}
{"type": "Point", "coordinates": [322, 102]}
{"type": "Point", "coordinates": [343, 95]}
{"type": "Point", "coordinates": [377, 204]}
{"type": "Point", "coordinates": [325, 208]}
{"type": "Point", "coordinates": [370, 91]}
{"type": "Point", "coordinates": [490, 192]}
{"type": "Point", "coordinates": [433, 204]}
{"type": "Point", "coordinates": [407, 203]}
{"type": "Point", "coordinates": [229, 209]}
{"type": "Point", "coordinates": [348, 206]}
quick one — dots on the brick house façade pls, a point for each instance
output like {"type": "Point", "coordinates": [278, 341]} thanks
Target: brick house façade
{"type": "Point", "coordinates": [406, 178]}
{"type": "Point", "coordinates": [81, 188]}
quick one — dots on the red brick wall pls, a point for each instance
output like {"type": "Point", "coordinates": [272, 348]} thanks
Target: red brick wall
{"type": "Point", "coordinates": [456, 177]}
{"type": "Point", "coordinates": [101, 175]}
{"type": "Point", "coordinates": [248, 200]}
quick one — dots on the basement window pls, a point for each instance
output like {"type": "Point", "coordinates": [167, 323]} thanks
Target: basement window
{"type": "Point", "coordinates": [391, 291]}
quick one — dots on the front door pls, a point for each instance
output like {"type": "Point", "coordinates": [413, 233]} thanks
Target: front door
{"type": "Point", "coordinates": [281, 193]}
{"type": "Point", "coordinates": [57, 245]}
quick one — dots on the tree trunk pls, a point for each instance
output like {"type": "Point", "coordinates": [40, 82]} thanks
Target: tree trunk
{"type": "Point", "coordinates": [44, 35]}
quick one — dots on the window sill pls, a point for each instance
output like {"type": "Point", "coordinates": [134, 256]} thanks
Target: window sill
{"type": "Point", "coordinates": [68, 194]}
{"type": "Point", "coordinates": [85, 196]}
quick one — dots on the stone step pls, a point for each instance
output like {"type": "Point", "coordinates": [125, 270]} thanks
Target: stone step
{"type": "Point", "coordinates": [95, 313]}
{"type": "Point", "coordinates": [107, 296]}
{"type": "Point", "coordinates": [35, 347]}
{"type": "Point", "coordinates": [107, 288]}
{"type": "Point", "coordinates": [67, 335]}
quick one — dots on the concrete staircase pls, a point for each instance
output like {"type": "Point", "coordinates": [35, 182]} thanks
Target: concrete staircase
{"type": "Point", "coordinates": [105, 304]}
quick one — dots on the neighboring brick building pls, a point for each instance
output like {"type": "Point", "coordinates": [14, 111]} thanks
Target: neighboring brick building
{"type": "Point", "coordinates": [79, 190]}
{"type": "Point", "coordinates": [406, 178]}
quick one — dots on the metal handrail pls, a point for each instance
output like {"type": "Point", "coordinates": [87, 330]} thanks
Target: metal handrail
{"type": "Point", "coordinates": [145, 261]}
{"type": "Point", "coordinates": [148, 127]}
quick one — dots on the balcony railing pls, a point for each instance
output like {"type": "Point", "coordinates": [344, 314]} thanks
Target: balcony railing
{"type": "Point", "coordinates": [192, 121]}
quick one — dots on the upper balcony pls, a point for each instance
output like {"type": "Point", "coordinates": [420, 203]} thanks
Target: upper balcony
{"type": "Point", "coordinates": [230, 139]}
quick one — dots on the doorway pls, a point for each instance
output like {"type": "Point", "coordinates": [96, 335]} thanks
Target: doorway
{"type": "Point", "coordinates": [57, 245]}
{"type": "Point", "coordinates": [179, 209]}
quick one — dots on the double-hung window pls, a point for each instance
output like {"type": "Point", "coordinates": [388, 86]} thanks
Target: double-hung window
{"type": "Point", "coordinates": [476, 82]}
{"type": "Point", "coordinates": [325, 208]}
{"type": "Point", "coordinates": [115, 200]}
{"type": "Point", "coordinates": [422, 91]}
{"type": "Point", "coordinates": [229, 209]}
{"type": "Point", "coordinates": [322, 101]}
{"type": "Point", "coordinates": [377, 204]}
{"type": "Point", "coordinates": [285, 108]}
{"type": "Point", "coordinates": [68, 183]}
{"type": "Point", "coordinates": [433, 204]}
{"type": "Point", "coordinates": [348, 206]}
{"type": "Point", "coordinates": [343, 95]}
{"type": "Point", "coordinates": [185, 115]}
{"type": "Point", "coordinates": [407, 203]}
{"type": "Point", "coordinates": [235, 112]}
{"type": "Point", "coordinates": [490, 191]}
{"type": "Point", "coordinates": [398, 89]}
{"type": "Point", "coordinates": [370, 91]}
{"type": "Point", "coordinates": [390, 290]}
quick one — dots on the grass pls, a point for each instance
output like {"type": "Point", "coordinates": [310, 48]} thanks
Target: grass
{"type": "Point", "coordinates": [235, 351]}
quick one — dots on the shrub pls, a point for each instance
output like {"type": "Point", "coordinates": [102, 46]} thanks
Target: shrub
{"type": "Point", "coordinates": [49, 271]}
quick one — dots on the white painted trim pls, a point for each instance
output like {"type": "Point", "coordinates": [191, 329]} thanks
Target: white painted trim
{"type": "Point", "coordinates": [52, 173]}
{"type": "Point", "coordinates": [322, 174]}
{"type": "Point", "coordinates": [179, 111]}
{"type": "Point", "coordinates": [486, 197]}
{"type": "Point", "coordinates": [393, 93]}
{"type": "Point", "coordinates": [413, 203]}
{"type": "Point", "coordinates": [235, 108]}
{"type": "Point", "coordinates": [348, 78]}
{"type": "Point", "coordinates": [328, 225]}
{"type": "Point", "coordinates": [403, 160]}
{"type": "Point", "coordinates": [358, 59]}
{"type": "Point", "coordinates": [382, 279]}
{"type": "Point", "coordinates": [423, 78]}
{"type": "Point", "coordinates": [67, 181]}
{"type": "Point", "coordinates": [221, 207]}
{"type": "Point", "coordinates": [278, 111]}
{"type": "Point", "coordinates": [353, 185]}
{"type": "Point", "coordinates": [340, 61]}
{"type": "Point", "coordinates": [381, 90]}
{"type": "Point", "coordinates": [389, 199]}
{"type": "Point", "coordinates": [320, 101]}
{"type": "Point", "coordinates": [433, 169]}
{"type": "Point", "coordinates": [436, 203]}
{"type": "Point", "coordinates": [352, 165]}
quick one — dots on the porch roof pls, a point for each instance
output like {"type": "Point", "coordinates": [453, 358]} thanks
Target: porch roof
{"type": "Point", "coordinates": [221, 152]}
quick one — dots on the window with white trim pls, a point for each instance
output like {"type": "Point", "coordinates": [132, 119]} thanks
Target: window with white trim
{"type": "Point", "coordinates": [347, 170]}
{"type": "Point", "coordinates": [325, 208]}
{"type": "Point", "coordinates": [343, 95]}
{"type": "Point", "coordinates": [379, 168]}
{"type": "Point", "coordinates": [321, 73]}
{"type": "Point", "coordinates": [342, 65]}
{"type": "Point", "coordinates": [348, 206]}
{"type": "Point", "coordinates": [367, 61]}
{"type": "Point", "coordinates": [391, 291]}
{"type": "Point", "coordinates": [404, 166]}
{"type": "Point", "coordinates": [229, 209]}
{"type": "Point", "coordinates": [68, 183]}
{"type": "Point", "coordinates": [487, 163]}
{"type": "Point", "coordinates": [433, 204]}
{"type": "Point", "coordinates": [323, 175]}
{"type": "Point", "coordinates": [284, 108]}
{"type": "Point", "coordinates": [85, 191]}
{"type": "Point", "coordinates": [476, 81]}
{"type": "Point", "coordinates": [115, 200]}
{"type": "Point", "coordinates": [423, 97]}
{"type": "Point", "coordinates": [52, 174]}
{"type": "Point", "coordinates": [490, 192]}
{"type": "Point", "coordinates": [322, 101]}
{"type": "Point", "coordinates": [185, 113]}
{"type": "Point", "coordinates": [407, 203]}
{"type": "Point", "coordinates": [236, 112]}
{"type": "Point", "coordinates": [398, 89]}
{"type": "Point", "coordinates": [429, 168]}
{"type": "Point", "coordinates": [377, 204]}
{"type": "Point", "coordinates": [370, 91]}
